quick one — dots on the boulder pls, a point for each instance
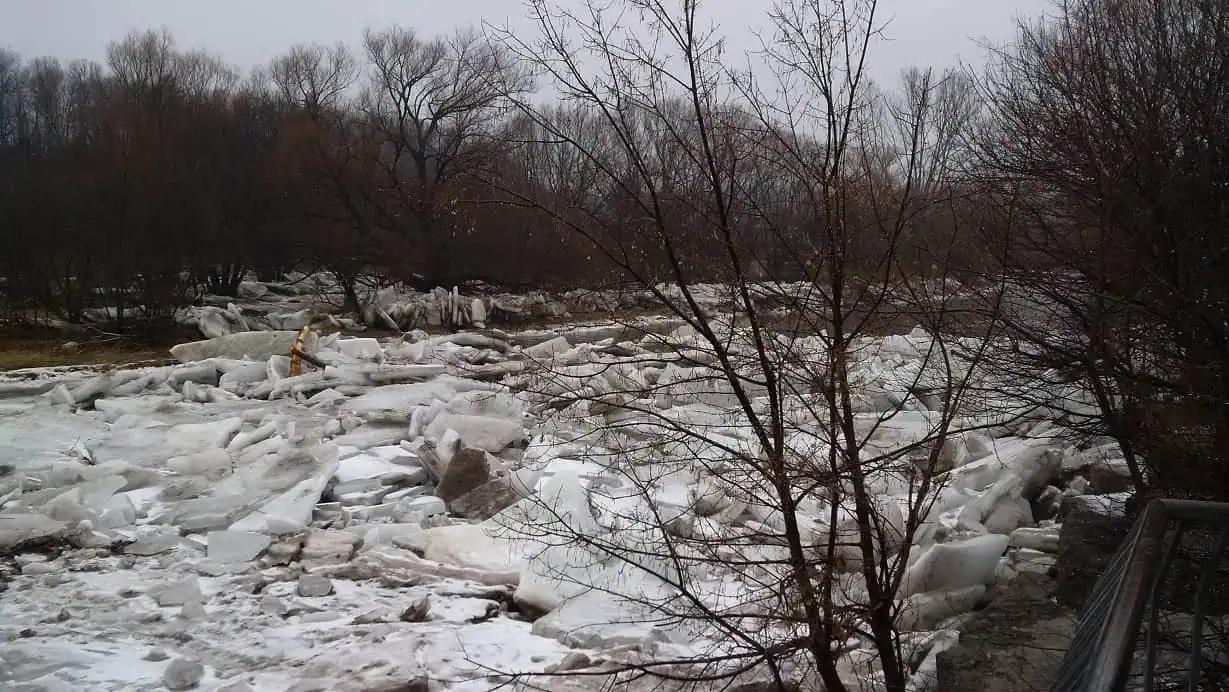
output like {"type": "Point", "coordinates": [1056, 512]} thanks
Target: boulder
{"type": "Point", "coordinates": [486, 500]}
{"type": "Point", "coordinates": [1111, 476]}
{"type": "Point", "coordinates": [466, 472]}
{"type": "Point", "coordinates": [417, 611]}
{"type": "Point", "coordinates": [1015, 644]}
{"type": "Point", "coordinates": [1093, 527]}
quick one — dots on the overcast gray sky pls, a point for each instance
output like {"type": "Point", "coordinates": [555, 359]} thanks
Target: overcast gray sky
{"type": "Point", "coordinates": [926, 33]}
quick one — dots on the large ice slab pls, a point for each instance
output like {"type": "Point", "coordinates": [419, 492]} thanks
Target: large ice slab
{"type": "Point", "coordinates": [252, 345]}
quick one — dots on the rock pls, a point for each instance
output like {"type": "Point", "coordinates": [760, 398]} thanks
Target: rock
{"type": "Point", "coordinates": [312, 586]}
{"type": "Point", "coordinates": [236, 546]}
{"type": "Point", "coordinates": [1015, 644]}
{"type": "Point", "coordinates": [1093, 528]}
{"type": "Point", "coordinates": [254, 345]}
{"type": "Point", "coordinates": [1047, 504]}
{"type": "Point", "coordinates": [467, 471]}
{"type": "Point", "coordinates": [486, 500]}
{"type": "Point", "coordinates": [183, 674]}
{"type": "Point", "coordinates": [418, 611]}
{"type": "Point", "coordinates": [177, 593]}
{"type": "Point", "coordinates": [1109, 476]}
{"type": "Point", "coordinates": [418, 684]}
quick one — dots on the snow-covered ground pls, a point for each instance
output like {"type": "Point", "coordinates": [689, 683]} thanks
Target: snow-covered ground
{"type": "Point", "coordinates": [222, 523]}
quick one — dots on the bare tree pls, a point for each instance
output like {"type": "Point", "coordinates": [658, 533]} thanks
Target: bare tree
{"type": "Point", "coordinates": [10, 95]}
{"type": "Point", "coordinates": [1105, 144]}
{"type": "Point", "coordinates": [693, 170]}
{"type": "Point", "coordinates": [436, 105]}
{"type": "Point", "coordinates": [314, 77]}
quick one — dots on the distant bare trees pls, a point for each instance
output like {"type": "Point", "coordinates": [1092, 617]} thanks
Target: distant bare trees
{"type": "Point", "coordinates": [314, 77]}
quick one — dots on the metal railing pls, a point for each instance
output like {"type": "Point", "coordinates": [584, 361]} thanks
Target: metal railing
{"type": "Point", "coordinates": [1131, 596]}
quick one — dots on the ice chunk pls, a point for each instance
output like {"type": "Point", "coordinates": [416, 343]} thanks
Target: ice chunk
{"type": "Point", "coordinates": [415, 509]}
{"type": "Point", "coordinates": [153, 445]}
{"type": "Point", "coordinates": [548, 349]}
{"type": "Point", "coordinates": [1044, 539]}
{"type": "Point", "coordinates": [239, 378]}
{"type": "Point", "coordinates": [947, 566]}
{"type": "Point", "coordinates": [314, 586]}
{"type": "Point", "coordinates": [183, 674]}
{"type": "Point", "coordinates": [200, 373]}
{"type": "Point", "coordinates": [295, 505]}
{"type": "Point", "coordinates": [390, 374]}
{"type": "Point", "coordinates": [211, 463]}
{"type": "Point", "coordinates": [401, 398]}
{"type": "Point", "coordinates": [367, 465]}
{"type": "Point", "coordinates": [256, 345]}
{"type": "Point", "coordinates": [477, 313]}
{"type": "Point", "coordinates": [235, 546]}
{"type": "Point", "coordinates": [247, 439]}
{"type": "Point", "coordinates": [16, 529]}
{"type": "Point", "coordinates": [118, 512]}
{"type": "Point", "coordinates": [482, 432]}
{"type": "Point", "coordinates": [923, 611]}
{"type": "Point", "coordinates": [600, 620]}
{"type": "Point", "coordinates": [325, 547]}
{"type": "Point", "coordinates": [559, 566]}
{"type": "Point", "coordinates": [1032, 460]}
{"type": "Point", "coordinates": [360, 349]}
{"type": "Point", "coordinates": [177, 593]}
{"type": "Point", "coordinates": [471, 545]}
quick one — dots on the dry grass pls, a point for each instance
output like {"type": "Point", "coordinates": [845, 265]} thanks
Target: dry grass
{"type": "Point", "coordinates": [25, 349]}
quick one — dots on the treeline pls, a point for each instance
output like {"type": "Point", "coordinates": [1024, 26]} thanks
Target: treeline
{"type": "Point", "coordinates": [141, 184]}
